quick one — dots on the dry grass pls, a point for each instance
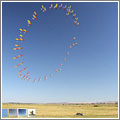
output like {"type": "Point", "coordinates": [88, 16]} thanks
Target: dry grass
{"type": "Point", "coordinates": [70, 110]}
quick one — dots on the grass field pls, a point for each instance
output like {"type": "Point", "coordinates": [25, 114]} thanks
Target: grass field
{"type": "Point", "coordinates": [70, 110]}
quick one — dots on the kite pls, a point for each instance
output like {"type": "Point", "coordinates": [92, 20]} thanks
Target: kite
{"type": "Point", "coordinates": [77, 24]}
{"type": "Point", "coordinates": [17, 56]}
{"type": "Point", "coordinates": [34, 16]}
{"type": "Point", "coordinates": [34, 79]}
{"type": "Point", "coordinates": [35, 13]}
{"type": "Point", "coordinates": [69, 7]}
{"type": "Point", "coordinates": [56, 6]}
{"type": "Point", "coordinates": [21, 36]}
{"type": "Point", "coordinates": [19, 64]}
{"type": "Point", "coordinates": [60, 6]}
{"type": "Point", "coordinates": [70, 46]}
{"type": "Point", "coordinates": [74, 15]}
{"type": "Point", "coordinates": [51, 7]}
{"type": "Point", "coordinates": [65, 7]}
{"type": "Point", "coordinates": [61, 65]}
{"type": "Point", "coordinates": [22, 70]}
{"type": "Point", "coordinates": [45, 77]}
{"type": "Point", "coordinates": [74, 38]}
{"type": "Point", "coordinates": [29, 23]}
{"type": "Point", "coordinates": [71, 12]}
{"type": "Point", "coordinates": [76, 19]}
{"type": "Point", "coordinates": [64, 59]}
{"type": "Point", "coordinates": [73, 44]}
{"type": "Point", "coordinates": [51, 75]}
{"type": "Point", "coordinates": [25, 30]}
{"type": "Point", "coordinates": [68, 10]}
{"type": "Point", "coordinates": [68, 53]}
{"type": "Point", "coordinates": [29, 78]}
{"type": "Point", "coordinates": [25, 75]}
{"type": "Point", "coordinates": [44, 10]}
{"type": "Point", "coordinates": [67, 13]}
{"type": "Point", "coordinates": [18, 48]}
{"type": "Point", "coordinates": [42, 7]}
{"type": "Point", "coordinates": [19, 75]}
{"type": "Point", "coordinates": [38, 79]}
{"type": "Point", "coordinates": [17, 45]}
{"type": "Point", "coordinates": [59, 70]}
{"type": "Point", "coordinates": [76, 43]}
{"type": "Point", "coordinates": [21, 30]}
{"type": "Point", "coordinates": [20, 39]}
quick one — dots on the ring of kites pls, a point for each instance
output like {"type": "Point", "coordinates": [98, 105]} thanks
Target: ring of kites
{"type": "Point", "coordinates": [27, 76]}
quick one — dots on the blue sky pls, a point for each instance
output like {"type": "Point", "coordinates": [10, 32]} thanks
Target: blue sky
{"type": "Point", "coordinates": [90, 73]}
{"type": "Point", "coordinates": [4, 112]}
{"type": "Point", "coordinates": [12, 112]}
{"type": "Point", "coordinates": [21, 112]}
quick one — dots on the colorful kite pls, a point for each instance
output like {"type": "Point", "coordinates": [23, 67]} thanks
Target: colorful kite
{"type": "Point", "coordinates": [56, 6]}
{"type": "Point", "coordinates": [59, 70]}
{"type": "Point", "coordinates": [44, 10]}
{"type": "Point", "coordinates": [35, 14]}
{"type": "Point", "coordinates": [17, 56]}
{"type": "Point", "coordinates": [17, 45]}
{"type": "Point", "coordinates": [19, 75]}
{"type": "Point", "coordinates": [34, 17]}
{"type": "Point", "coordinates": [21, 36]}
{"type": "Point", "coordinates": [68, 53]}
{"type": "Point", "coordinates": [29, 78]}
{"type": "Point", "coordinates": [19, 64]}
{"type": "Point", "coordinates": [74, 15]}
{"type": "Point", "coordinates": [65, 7]}
{"type": "Point", "coordinates": [64, 59]}
{"type": "Point", "coordinates": [45, 77]}
{"type": "Point", "coordinates": [25, 75]}
{"type": "Point", "coordinates": [77, 24]}
{"type": "Point", "coordinates": [71, 45]}
{"type": "Point", "coordinates": [18, 48]}
{"type": "Point", "coordinates": [76, 19]}
{"type": "Point", "coordinates": [34, 80]}
{"type": "Point", "coordinates": [51, 7]}
{"type": "Point", "coordinates": [67, 13]}
{"type": "Point", "coordinates": [20, 39]}
{"type": "Point", "coordinates": [25, 30]}
{"type": "Point", "coordinates": [71, 12]}
{"type": "Point", "coordinates": [51, 75]}
{"type": "Point", "coordinates": [74, 38]}
{"type": "Point", "coordinates": [22, 70]}
{"type": "Point", "coordinates": [21, 30]}
{"type": "Point", "coordinates": [29, 23]}
{"type": "Point", "coordinates": [61, 5]}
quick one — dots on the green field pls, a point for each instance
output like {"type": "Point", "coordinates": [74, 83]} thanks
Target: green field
{"type": "Point", "coordinates": [70, 110]}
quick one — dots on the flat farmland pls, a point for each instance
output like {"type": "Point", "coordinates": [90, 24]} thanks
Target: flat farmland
{"type": "Point", "coordinates": [69, 110]}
